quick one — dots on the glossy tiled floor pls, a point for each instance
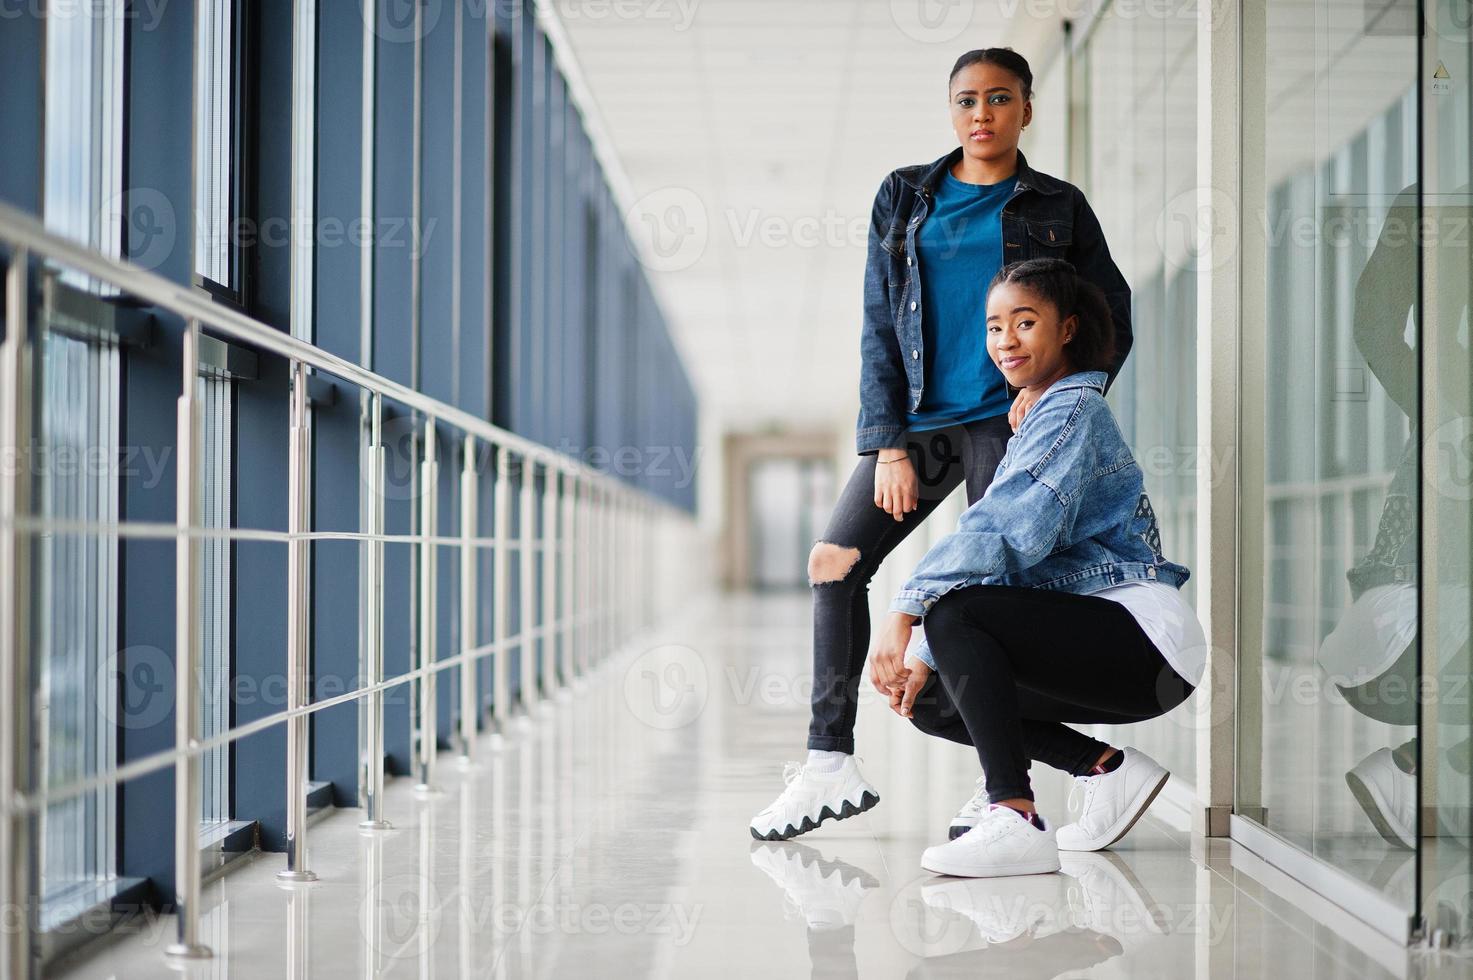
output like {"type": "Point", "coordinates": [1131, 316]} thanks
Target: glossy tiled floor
{"type": "Point", "coordinates": [606, 836]}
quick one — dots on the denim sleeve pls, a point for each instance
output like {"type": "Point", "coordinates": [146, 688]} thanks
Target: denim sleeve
{"type": "Point", "coordinates": [1016, 524]}
{"type": "Point", "coordinates": [884, 391]}
{"type": "Point", "coordinates": [923, 652]}
{"type": "Point", "coordinates": [1091, 256]}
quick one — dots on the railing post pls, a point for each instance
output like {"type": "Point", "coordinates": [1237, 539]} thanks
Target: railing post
{"type": "Point", "coordinates": [18, 889]}
{"type": "Point", "coordinates": [526, 583]}
{"type": "Point", "coordinates": [297, 667]}
{"type": "Point", "coordinates": [470, 709]}
{"type": "Point", "coordinates": [600, 580]}
{"type": "Point", "coordinates": [371, 613]}
{"type": "Point", "coordinates": [549, 537]}
{"type": "Point", "coordinates": [500, 594]}
{"type": "Point", "coordinates": [583, 563]}
{"type": "Point", "coordinates": [427, 726]}
{"type": "Point", "coordinates": [187, 801]}
{"type": "Point", "coordinates": [646, 531]}
{"type": "Point", "coordinates": [567, 562]}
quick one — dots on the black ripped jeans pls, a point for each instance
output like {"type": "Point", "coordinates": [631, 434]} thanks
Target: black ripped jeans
{"type": "Point", "coordinates": [943, 459]}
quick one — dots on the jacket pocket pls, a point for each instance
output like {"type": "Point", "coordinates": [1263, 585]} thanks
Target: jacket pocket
{"type": "Point", "coordinates": [1049, 239]}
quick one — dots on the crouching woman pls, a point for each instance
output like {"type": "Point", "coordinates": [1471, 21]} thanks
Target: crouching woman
{"type": "Point", "coordinates": [1050, 604]}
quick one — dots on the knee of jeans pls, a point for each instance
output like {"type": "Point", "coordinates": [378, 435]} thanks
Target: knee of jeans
{"type": "Point", "coordinates": [829, 563]}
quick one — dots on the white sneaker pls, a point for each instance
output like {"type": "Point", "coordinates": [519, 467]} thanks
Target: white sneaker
{"type": "Point", "coordinates": [966, 818]}
{"type": "Point", "coordinates": [1388, 795]}
{"type": "Point", "coordinates": [825, 894]}
{"type": "Point", "coordinates": [813, 797]}
{"type": "Point", "coordinates": [1004, 842]}
{"type": "Point", "coordinates": [1112, 801]}
{"type": "Point", "coordinates": [1034, 906]}
{"type": "Point", "coordinates": [1105, 896]}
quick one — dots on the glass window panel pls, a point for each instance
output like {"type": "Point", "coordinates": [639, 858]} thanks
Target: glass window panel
{"type": "Point", "coordinates": [1330, 664]}
{"type": "Point", "coordinates": [76, 607]}
{"type": "Point", "coordinates": [1134, 156]}
{"type": "Point", "coordinates": [214, 134]}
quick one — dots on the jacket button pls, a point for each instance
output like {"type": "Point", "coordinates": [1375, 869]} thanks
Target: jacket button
{"type": "Point", "coordinates": [914, 354]}
{"type": "Point", "coordinates": [909, 260]}
{"type": "Point", "coordinates": [912, 304]}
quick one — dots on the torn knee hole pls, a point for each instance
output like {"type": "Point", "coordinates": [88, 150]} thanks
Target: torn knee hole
{"type": "Point", "coordinates": [830, 563]}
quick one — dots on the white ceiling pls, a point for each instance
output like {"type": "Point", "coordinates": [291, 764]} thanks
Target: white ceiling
{"type": "Point", "coordinates": [753, 134]}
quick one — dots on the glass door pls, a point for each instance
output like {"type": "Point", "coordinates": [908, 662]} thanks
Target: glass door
{"type": "Point", "coordinates": [1327, 756]}
{"type": "Point", "coordinates": [1446, 371]}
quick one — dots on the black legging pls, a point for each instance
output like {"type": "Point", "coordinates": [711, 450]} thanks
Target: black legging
{"type": "Point", "coordinates": [1013, 664]}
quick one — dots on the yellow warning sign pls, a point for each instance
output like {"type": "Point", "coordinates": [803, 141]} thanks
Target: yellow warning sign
{"type": "Point", "coordinates": [1441, 71]}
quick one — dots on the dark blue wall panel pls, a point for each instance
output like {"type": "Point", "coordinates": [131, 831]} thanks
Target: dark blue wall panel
{"type": "Point", "coordinates": [21, 108]}
{"type": "Point", "coordinates": [337, 310]}
{"type": "Point", "coordinates": [159, 231]}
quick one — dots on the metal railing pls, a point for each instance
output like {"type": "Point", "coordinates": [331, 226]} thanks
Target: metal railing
{"type": "Point", "coordinates": [592, 532]}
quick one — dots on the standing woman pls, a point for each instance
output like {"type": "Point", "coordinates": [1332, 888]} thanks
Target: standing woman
{"type": "Point", "coordinates": [934, 410]}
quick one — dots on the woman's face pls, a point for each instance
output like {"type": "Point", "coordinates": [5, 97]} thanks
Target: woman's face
{"type": "Point", "coordinates": [988, 111]}
{"type": "Point", "coordinates": [1025, 338]}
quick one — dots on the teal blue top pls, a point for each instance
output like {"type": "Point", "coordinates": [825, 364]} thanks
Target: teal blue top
{"type": "Point", "coordinates": [959, 250]}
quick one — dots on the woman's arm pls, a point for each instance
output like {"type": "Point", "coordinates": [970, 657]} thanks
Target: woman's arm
{"type": "Point", "coordinates": [1090, 255]}
{"type": "Point", "coordinates": [883, 388]}
{"type": "Point", "coordinates": [1384, 293]}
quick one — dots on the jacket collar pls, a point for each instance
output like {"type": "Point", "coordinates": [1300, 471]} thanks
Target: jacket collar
{"type": "Point", "coordinates": [1081, 379]}
{"type": "Point", "coordinates": [925, 176]}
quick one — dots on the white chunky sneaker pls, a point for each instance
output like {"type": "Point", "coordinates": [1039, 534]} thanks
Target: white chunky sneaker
{"type": "Point", "coordinates": [1388, 795]}
{"type": "Point", "coordinates": [1004, 842]}
{"type": "Point", "coordinates": [966, 818]}
{"type": "Point", "coordinates": [824, 894]}
{"type": "Point", "coordinates": [813, 797]}
{"type": "Point", "coordinates": [1112, 801]}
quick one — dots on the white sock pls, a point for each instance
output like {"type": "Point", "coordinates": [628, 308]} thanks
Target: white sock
{"type": "Point", "coordinates": [823, 760]}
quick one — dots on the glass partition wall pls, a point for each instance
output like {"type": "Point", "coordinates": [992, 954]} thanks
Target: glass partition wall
{"type": "Point", "coordinates": [1132, 151]}
{"type": "Point", "coordinates": [1445, 877]}
{"type": "Point", "coordinates": [1356, 445]}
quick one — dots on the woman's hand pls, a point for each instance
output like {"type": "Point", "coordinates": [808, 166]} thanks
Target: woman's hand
{"type": "Point", "coordinates": [903, 698]}
{"type": "Point", "coordinates": [896, 489]}
{"type": "Point", "coordinates": [1021, 404]}
{"type": "Point", "coordinates": [887, 670]}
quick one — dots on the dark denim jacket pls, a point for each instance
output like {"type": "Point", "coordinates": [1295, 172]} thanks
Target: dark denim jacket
{"type": "Point", "coordinates": [1044, 217]}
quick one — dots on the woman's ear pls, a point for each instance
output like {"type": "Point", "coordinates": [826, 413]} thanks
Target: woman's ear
{"type": "Point", "coordinates": [1070, 326]}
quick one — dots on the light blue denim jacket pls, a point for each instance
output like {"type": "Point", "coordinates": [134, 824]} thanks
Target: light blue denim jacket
{"type": "Point", "coordinates": [1067, 510]}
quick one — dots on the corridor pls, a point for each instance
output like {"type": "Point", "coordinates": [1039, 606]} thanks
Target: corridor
{"type": "Point", "coordinates": [607, 836]}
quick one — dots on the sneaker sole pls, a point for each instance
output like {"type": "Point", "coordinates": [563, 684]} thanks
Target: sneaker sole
{"type": "Point", "coordinates": [867, 800]}
{"type": "Point", "coordinates": [961, 869]}
{"type": "Point", "coordinates": [1367, 798]}
{"type": "Point", "coordinates": [1135, 812]}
